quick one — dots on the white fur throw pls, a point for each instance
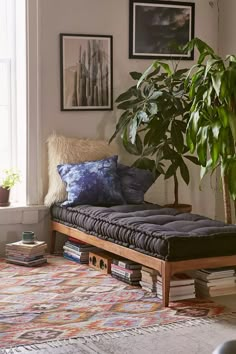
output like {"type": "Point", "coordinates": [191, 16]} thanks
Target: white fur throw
{"type": "Point", "coordinates": [61, 150]}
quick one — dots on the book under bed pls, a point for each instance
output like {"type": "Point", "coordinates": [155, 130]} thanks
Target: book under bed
{"type": "Point", "coordinates": [160, 238]}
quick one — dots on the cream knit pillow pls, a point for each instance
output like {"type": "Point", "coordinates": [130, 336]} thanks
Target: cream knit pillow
{"type": "Point", "coordinates": [61, 150]}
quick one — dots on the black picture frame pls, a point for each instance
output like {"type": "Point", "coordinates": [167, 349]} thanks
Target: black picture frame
{"type": "Point", "coordinates": [86, 65]}
{"type": "Point", "coordinates": [157, 28]}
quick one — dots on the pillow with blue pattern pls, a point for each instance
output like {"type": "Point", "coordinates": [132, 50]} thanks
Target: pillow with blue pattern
{"type": "Point", "coordinates": [92, 182]}
{"type": "Point", "coordinates": [134, 183]}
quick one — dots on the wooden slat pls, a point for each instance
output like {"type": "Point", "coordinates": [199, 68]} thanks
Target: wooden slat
{"type": "Point", "coordinates": [135, 256]}
{"type": "Point", "coordinates": [211, 262]}
{"type": "Point", "coordinates": [165, 268]}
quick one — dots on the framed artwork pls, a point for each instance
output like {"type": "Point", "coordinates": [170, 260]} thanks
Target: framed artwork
{"type": "Point", "coordinates": [157, 29]}
{"type": "Point", "coordinates": [86, 72]}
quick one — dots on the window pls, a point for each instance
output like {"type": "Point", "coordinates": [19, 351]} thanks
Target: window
{"type": "Point", "coordinates": [13, 91]}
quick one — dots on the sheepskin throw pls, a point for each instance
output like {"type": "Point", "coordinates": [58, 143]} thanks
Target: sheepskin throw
{"type": "Point", "coordinates": [63, 150]}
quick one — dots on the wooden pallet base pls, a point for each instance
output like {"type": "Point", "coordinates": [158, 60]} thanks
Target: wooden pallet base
{"type": "Point", "coordinates": [165, 268]}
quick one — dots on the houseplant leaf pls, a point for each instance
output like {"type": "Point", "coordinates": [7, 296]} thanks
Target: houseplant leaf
{"type": "Point", "coordinates": [171, 171]}
{"type": "Point", "coordinates": [177, 137]}
{"type": "Point", "coordinates": [184, 171]}
{"type": "Point", "coordinates": [135, 75]}
{"type": "Point", "coordinates": [126, 95]}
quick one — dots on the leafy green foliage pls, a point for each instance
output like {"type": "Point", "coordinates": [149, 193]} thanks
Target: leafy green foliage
{"type": "Point", "coordinates": [211, 129]}
{"type": "Point", "coordinates": [154, 120]}
{"type": "Point", "coordinates": [9, 178]}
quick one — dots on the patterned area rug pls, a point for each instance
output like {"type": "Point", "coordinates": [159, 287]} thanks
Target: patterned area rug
{"type": "Point", "coordinates": [63, 299]}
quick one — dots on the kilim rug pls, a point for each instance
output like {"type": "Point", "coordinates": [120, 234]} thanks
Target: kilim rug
{"type": "Point", "coordinates": [63, 299]}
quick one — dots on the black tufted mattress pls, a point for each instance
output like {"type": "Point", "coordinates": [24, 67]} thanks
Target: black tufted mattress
{"type": "Point", "coordinates": [160, 232]}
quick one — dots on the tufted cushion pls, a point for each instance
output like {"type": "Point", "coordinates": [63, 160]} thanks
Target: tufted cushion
{"type": "Point", "coordinates": [93, 183]}
{"type": "Point", "coordinates": [63, 150]}
{"type": "Point", "coordinates": [160, 232]}
{"type": "Point", "coordinates": [134, 183]}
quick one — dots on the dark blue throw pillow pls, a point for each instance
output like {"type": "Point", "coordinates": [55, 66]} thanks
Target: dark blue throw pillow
{"type": "Point", "coordinates": [134, 183]}
{"type": "Point", "coordinates": [92, 182]}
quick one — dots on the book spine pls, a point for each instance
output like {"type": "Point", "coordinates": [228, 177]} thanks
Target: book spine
{"type": "Point", "coordinates": [25, 249]}
{"type": "Point", "coordinates": [22, 254]}
{"type": "Point", "coordinates": [130, 271]}
{"type": "Point", "coordinates": [179, 297]}
{"type": "Point", "coordinates": [222, 284]}
{"type": "Point", "coordinates": [149, 289]}
{"type": "Point", "coordinates": [147, 285]}
{"type": "Point", "coordinates": [149, 280]}
{"type": "Point", "coordinates": [72, 250]}
{"type": "Point", "coordinates": [176, 283]}
{"type": "Point", "coordinates": [126, 265]}
{"type": "Point", "coordinates": [178, 290]}
{"type": "Point", "coordinates": [75, 240]}
{"type": "Point", "coordinates": [128, 281]}
{"type": "Point", "coordinates": [73, 247]}
{"type": "Point", "coordinates": [125, 274]}
{"type": "Point", "coordinates": [24, 259]}
{"type": "Point", "coordinates": [150, 271]}
{"type": "Point", "coordinates": [76, 257]}
{"type": "Point", "coordinates": [78, 248]}
{"type": "Point", "coordinates": [25, 245]}
{"type": "Point", "coordinates": [28, 264]}
{"type": "Point", "coordinates": [71, 258]}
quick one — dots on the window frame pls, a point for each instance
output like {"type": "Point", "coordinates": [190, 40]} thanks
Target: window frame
{"type": "Point", "coordinates": [33, 170]}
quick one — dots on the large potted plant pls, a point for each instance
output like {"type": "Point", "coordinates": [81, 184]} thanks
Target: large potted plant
{"type": "Point", "coordinates": [8, 179]}
{"type": "Point", "coordinates": [211, 130]}
{"type": "Point", "coordinates": [154, 120]}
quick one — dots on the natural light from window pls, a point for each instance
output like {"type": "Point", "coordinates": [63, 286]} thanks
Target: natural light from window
{"type": "Point", "coordinates": [13, 91]}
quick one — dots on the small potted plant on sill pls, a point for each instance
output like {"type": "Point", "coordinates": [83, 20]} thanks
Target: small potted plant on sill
{"type": "Point", "coordinates": [153, 124]}
{"type": "Point", "coordinates": [8, 179]}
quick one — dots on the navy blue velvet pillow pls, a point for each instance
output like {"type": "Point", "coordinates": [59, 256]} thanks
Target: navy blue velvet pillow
{"type": "Point", "coordinates": [92, 182]}
{"type": "Point", "coordinates": [134, 183]}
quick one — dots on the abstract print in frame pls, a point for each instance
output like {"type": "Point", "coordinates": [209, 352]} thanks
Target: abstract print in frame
{"type": "Point", "coordinates": [157, 29]}
{"type": "Point", "coordinates": [86, 72]}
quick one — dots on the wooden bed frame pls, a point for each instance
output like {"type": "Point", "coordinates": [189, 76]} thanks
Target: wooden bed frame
{"type": "Point", "coordinates": [165, 268]}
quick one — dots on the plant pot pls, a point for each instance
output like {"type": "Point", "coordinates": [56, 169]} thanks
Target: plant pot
{"type": "Point", "coordinates": [4, 197]}
{"type": "Point", "coordinates": [183, 208]}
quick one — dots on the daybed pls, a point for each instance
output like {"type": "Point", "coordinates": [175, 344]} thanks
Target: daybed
{"type": "Point", "coordinates": [160, 238]}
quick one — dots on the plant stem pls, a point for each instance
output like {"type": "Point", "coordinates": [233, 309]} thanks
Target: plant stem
{"type": "Point", "coordinates": [234, 211]}
{"type": "Point", "coordinates": [226, 197]}
{"type": "Point", "coordinates": [176, 190]}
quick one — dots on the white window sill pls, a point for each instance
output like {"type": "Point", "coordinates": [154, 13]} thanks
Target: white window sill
{"type": "Point", "coordinates": [21, 214]}
{"type": "Point", "coordinates": [19, 206]}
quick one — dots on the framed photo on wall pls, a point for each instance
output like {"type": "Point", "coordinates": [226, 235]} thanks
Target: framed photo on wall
{"type": "Point", "coordinates": [157, 29]}
{"type": "Point", "coordinates": [86, 72]}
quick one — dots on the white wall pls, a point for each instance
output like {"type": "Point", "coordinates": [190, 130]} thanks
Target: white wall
{"type": "Point", "coordinates": [13, 222]}
{"type": "Point", "coordinates": [109, 17]}
{"type": "Point", "coordinates": [227, 45]}
{"type": "Point", "coordinates": [227, 29]}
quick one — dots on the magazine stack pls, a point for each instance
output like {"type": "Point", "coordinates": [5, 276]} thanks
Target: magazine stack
{"type": "Point", "coordinates": [77, 251]}
{"type": "Point", "coordinates": [28, 255]}
{"type": "Point", "coordinates": [181, 287]}
{"type": "Point", "coordinates": [215, 282]}
{"type": "Point", "coordinates": [149, 279]}
{"type": "Point", "coordinates": [126, 270]}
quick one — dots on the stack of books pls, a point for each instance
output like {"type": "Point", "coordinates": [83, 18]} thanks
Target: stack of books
{"type": "Point", "coordinates": [77, 251]}
{"type": "Point", "coordinates": [181, 287]}
{"type": "Point", "coordinates": [215, 282]}
{"type": "Point", "coordinates": [126, 270]}
{"type": "Point", "coordinates": [29, 255]}
{"type": "Point", "coordinates": [149, 279]}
